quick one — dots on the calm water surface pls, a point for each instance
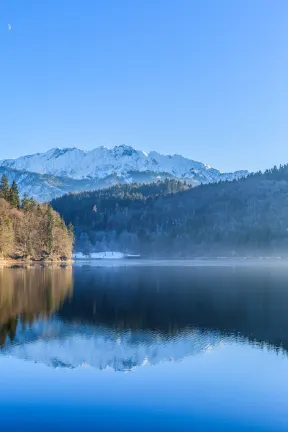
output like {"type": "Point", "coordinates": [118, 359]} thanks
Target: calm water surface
{"type": "Point", "coordinates": [172, 348]}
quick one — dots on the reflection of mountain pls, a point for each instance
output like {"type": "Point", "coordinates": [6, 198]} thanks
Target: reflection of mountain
{"type": "Point", "coordinates": [251, 302]}
{"type": "Point", "coordinates": [61, 344]}
{"type": "Point", "coordinates": [30, 294]}
{"type": "Point", "coordinates": [126, 317]}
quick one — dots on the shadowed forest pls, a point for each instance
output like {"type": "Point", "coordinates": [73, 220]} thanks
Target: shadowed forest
{"type": "Point", "coordinates": [171, 219]}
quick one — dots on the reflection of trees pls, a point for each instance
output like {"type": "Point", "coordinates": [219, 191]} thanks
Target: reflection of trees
{"type": "Point", "coordinates": [29, 294]}
{"type": "Point", "coordinates": [252, 303]}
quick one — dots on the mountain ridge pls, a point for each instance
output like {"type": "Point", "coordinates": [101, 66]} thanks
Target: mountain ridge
{"type": "Point", "coordinates": [102, 161]}
{"type": "Point", "coordinates": [72, 170]}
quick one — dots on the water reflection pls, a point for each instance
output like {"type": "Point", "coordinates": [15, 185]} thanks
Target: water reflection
{"type": "Point", "coordinates": [242, 301]}
{"type": "Point", "coordinates": [29, 295]}
{"type": "Point", "coordinates": [122, 318]}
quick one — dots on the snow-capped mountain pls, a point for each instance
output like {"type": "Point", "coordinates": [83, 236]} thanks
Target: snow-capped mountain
{"type": "Point", "coordinates": [73, 169]}
{"type": "Point", "coordinates": [120, 160]}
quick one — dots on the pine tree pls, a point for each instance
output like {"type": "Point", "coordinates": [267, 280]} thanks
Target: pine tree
{"type": "Point", "coordinates": [27, 203]}
{"type": "Point", "coordinates": [14, 195]}
{"type": "Point", "coordinates": [4, 188]}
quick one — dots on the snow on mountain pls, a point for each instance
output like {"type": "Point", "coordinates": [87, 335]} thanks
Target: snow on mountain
{"type": "Point", "coordinates": [59, 344]}
{"type": "Point", "coordinates": [46, 176]}
{"type": "Point", "coordinates": [121, 161]}
{"type": "Point", "coordinates": [45, 187]}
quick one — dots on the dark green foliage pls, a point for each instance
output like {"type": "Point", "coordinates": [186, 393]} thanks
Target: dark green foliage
{"type": "Point", "coordinates": [27, 203]}
{"type": "Point", "coordinates": [14, 195]}
{"type": "Point", "coordinates": [10, 194]}
{"type": "Point", "coordinates": [4, 188]}
{"type": "Point", "coordinates": [249, 216]}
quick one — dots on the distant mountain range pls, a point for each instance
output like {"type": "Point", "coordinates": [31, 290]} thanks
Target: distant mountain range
{"type": "Point", "coordinates": [58, 171]}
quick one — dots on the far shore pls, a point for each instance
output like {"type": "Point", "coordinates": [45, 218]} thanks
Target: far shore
{"type": "Point", "coordinates": [193, 262]}
{"type": "Point", "coordinates": [153, 261]}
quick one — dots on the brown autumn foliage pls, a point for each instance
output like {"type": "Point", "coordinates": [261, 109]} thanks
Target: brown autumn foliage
{"type": "Point", "coordinates": [30, 294]}
{"type": "Point", "coordinates": [35, 231]}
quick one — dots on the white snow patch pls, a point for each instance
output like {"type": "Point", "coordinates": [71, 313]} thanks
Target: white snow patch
{"type": "Point", "coordinates": [98, 255]}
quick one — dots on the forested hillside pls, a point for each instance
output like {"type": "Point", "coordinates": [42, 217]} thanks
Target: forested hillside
{"type": "Point", "coordinates": [29, 230]}
{"type": "Point", "coordinates": [248, 216]}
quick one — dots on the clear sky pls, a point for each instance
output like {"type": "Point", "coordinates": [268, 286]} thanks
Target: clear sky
{"type": "Point", "coordinates": [204, 78]}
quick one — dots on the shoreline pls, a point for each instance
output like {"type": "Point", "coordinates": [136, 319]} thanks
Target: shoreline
{"type": "Point", "coordinates": [31, 263]}
{"type": "Point", "coordinates": [122, 262]}
{"type": "Point", "coordinates": [192, 262]}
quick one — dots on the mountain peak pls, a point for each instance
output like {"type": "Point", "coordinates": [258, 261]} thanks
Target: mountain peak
{"type": "Point", "coordinates": [124, 150]}
{"type": "Point", "coordinates": [122, 161]}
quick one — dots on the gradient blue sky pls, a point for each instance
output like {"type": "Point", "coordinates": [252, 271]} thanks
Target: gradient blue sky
{"type": "Point", "coordinates": [204, 78]}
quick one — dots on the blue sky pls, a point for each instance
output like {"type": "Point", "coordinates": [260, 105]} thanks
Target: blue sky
{"type": "Point", "coordinates": [207, 79]}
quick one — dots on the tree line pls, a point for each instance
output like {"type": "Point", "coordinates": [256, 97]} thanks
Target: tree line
{"type": "Point", "coordinates": [29, 230]}
{"type": "Point", "coordinates": [243, 217]}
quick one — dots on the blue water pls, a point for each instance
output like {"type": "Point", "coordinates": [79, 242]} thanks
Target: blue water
{"type": "Point", "coordinates": [142, 348]}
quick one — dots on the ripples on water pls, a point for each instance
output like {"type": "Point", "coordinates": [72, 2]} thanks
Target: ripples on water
{"type": "Point", "coordinates": [125, 318]}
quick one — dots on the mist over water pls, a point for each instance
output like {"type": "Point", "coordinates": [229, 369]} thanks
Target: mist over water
{"type": "Point", "coordinates": [163, 347]}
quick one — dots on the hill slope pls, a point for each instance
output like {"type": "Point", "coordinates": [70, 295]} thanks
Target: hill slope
{"type": "Point", "coordinates": [239, 217]}
{"type": "Point", "coordinates": [31, 231]}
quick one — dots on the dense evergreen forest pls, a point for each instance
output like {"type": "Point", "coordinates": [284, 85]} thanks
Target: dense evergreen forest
{"type": "Point", "coordinates": [29, 230]}
{"type": "Point", "coordinates": [244, 217]}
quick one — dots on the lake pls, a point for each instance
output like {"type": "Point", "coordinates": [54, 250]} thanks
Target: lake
{"type": "Point", "coordinates": [144, 347]}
